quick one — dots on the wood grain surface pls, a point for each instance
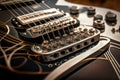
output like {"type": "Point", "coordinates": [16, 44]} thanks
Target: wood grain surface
{"type": "Point", "coordinates": [111, 4]}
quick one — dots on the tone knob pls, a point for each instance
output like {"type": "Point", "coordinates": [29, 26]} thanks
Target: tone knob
{"type": "Point", "coordinates": [98, 16]}
{"type": "Point", "coordinates": [91, 11]}
{"type": "Point", "coordinates": [111, 17]}
{"type": "Point", "coordinates": [74, 11]}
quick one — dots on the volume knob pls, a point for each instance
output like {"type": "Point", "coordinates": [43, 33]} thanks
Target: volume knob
{"type": "Point", "coordinates": [91, 11]}
{"type": "Point", "coordinates": [74, 11]}
{"type": "Point", "coordinates": [110, 17]}
{"type": "Point", "coordinates": [98, 16]}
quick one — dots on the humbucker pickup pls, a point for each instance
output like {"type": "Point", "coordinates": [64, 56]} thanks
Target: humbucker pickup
{"type": "Point", "coordinates": [38, 16]}
{"type": "Point", "coordinates": [9, 2]}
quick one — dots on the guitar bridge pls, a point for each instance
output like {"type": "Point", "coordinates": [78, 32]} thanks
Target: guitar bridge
{"type": "Point", "coordinates": [60, 47]}
{"type": "Point", "coordinates": [61, 23]}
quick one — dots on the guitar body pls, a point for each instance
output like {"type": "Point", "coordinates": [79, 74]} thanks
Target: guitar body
{"type": "Point", "coordinates": [27, 65]}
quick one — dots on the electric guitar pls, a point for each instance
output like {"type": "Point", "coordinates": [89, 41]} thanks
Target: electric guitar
{"type": "Point", "coordinates": [56, 39]}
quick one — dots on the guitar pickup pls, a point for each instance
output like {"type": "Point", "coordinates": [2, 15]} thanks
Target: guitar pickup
{"type": "Point", "coordinates": [52, 26]}
{"type": "Point", "coordinates": [38, 16]}
{"type": "Point", "coordinates": [9, 2]}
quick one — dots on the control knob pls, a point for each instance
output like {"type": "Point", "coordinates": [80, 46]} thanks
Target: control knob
{"type": "Point", "coordinates": [110, 17]}
{"type": "Point", "coordinates": [74, 12]}
{"type": "Point", "coordinates": [98, 16]}
{"type": "Point", "coordinates": [91, 11]}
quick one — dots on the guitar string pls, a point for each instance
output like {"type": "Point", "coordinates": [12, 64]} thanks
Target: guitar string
{"type": "Point", "coordinates": [62, 29]}
{"type": "Point", "coordinates": [45, 21]}
{"type": "Point", "coordinates": [19, 14]}
{"type": "Point", "coordinates": [50, 19]}
{"type": "Point", "coordinates": [71, 39]}
{"type": "Point", "coordinates": [49, 8]}
{"type": "Point", "coordinates": [114, 57]}
{"type": "Point", "coordinates": [10, 10]}
{"type": "Point", "coordinates": [4, 53]}
{"type": "Point", "coordinates": [22, 12]}
{"type": "Point", "coordinates": [14, 70]}
{"type": "Point", "coordinates": [6, 47]}
{"type": "Point", "coordinates": [4, 36]}
{"type": "Point", "coordinates": [9, 65]}
{"type": "Point", "coordinates": [38, 20]}
{"type": "Point", "coordinates": [34, 11]}
{"type": "Point", "coordinates": [113, 62]}
{"type": "Point", "coordinates": [60, 23]}
{"type": "Point", "coordinates": [14, 10]}
{"type": "Point", "coordinates": [29, 72]}
{"type": "Point", "coordinates": [73, 27]}
{"type": "Point", "coordinates": [47, 17]}
{"type": "Point", "coordinates": [8, 59]}
{"type": "Point", "coordinates": [115, 43]}
{"type": "Point", "coordinates": [3, 32]}
{"type": "Point", "coordinates": [12, 47]}
{"type": "Point", "coordinates": [9, 39]}
{"type": "Point", "coordinates": [9, 48]}
{"type": "Point", "coordinates": [34, 23]}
